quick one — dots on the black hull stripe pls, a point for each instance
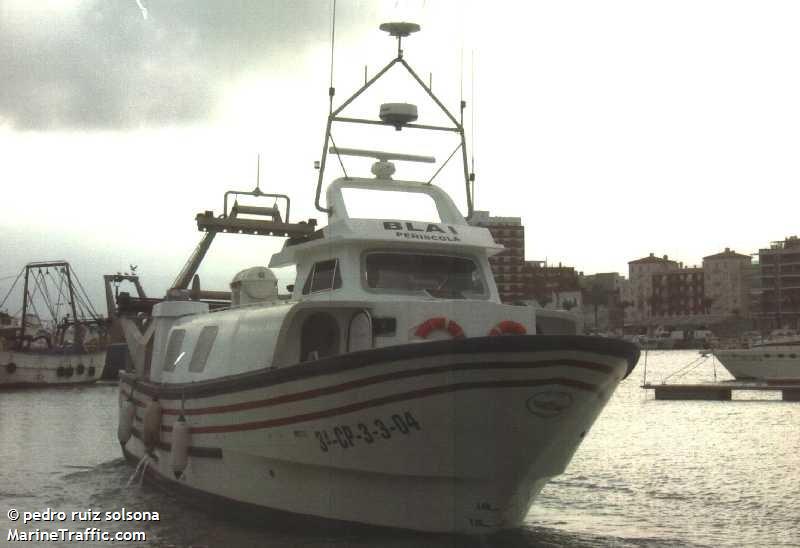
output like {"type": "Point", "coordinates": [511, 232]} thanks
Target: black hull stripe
{"type": "Point", "coordinates": [519, 344]}
{"type": "Point", "coordinates": [194, 451]}
{"type": "Point", "coordinates": [376, 402]}
{"type": "Point", "coordinates": [367, 381]}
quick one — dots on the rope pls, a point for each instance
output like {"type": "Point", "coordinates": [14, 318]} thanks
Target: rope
{"type": "Point", "coordinates": [43, 292]}
{"type": "Point", "coordinates": [12, 287]}
{"type": "Point", "coordinates": [84, 296]}
{"type": "Point", "coordinates": [338, 155]}
{"type": "Point", "coordinates": [686, 368]}
{"type": "Point", "coordinates": [441, 167]}
{"type": "Point", "coordinates": [62, 297]}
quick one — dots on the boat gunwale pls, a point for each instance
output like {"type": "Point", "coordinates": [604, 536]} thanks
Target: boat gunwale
{"type": "Point", "coordinates": [516, 344]}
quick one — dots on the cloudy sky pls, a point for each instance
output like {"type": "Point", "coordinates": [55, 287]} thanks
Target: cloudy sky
{"type": "Point", "coordinates": [612, 128]}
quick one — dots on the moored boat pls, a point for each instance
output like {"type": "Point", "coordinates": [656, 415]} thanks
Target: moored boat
{"type": "Point", "coordinates": [393, 388]}
{"type": "Point", "coordinates": [776, 359]}
{"type": "Point", "coordinates": [66, 348]}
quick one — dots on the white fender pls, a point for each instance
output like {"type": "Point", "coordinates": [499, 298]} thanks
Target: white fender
{"type": "Point", "coordinates": [181, 438]}
{"type": "Point", "coordinates": [151, 434]}
{"type": "Point", "coordinates": [127, 409]}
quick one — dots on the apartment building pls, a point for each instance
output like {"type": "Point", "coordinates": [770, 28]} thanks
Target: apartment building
{"type": "Point", "coordinates": [780, 284]}
{"type": "Point", "coordinates": [726, 277]}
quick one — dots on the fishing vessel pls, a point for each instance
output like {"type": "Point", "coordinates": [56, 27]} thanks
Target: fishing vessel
{"type": "Point", "coordinates": [775, 359]}
{"type": "Point", "coordinates": [59, 339]}
{"type": "Point", "coordinates": [391, 388]}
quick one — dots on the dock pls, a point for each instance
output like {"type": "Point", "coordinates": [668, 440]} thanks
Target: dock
{"type": "Point", "coordinates": [718, 391]}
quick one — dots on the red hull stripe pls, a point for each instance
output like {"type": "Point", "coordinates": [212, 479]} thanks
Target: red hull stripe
{"type": "Point", "coordinates": [334, 389]}
{"type": "Point", "coordinates": [376, 402]}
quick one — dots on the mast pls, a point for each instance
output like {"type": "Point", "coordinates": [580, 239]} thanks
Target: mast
{"type": "Point", "coordinates": [24, 306]}
{"type": "Point", "coordinates": [71, 294]}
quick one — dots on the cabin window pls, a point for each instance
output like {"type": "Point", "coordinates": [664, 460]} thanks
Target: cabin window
{"type": "Point", "coordinates": [203, 348]}
{"type": "Point", "coordinates": [174, 354]}
{"type": "Point", "coordinates": [324, 276]}
{"type": "Point", "coordinates": [440, 276]}
{"type": "Point", "coordinates": [319, 337]}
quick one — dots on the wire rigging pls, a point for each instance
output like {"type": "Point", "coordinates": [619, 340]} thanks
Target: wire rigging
{"type": "Point", "coordinates": [12, 287]}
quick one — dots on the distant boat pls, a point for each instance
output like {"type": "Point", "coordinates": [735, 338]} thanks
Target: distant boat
{"type": "Point", "coordinates": [775, 359]}
{"type": "Point", "coordinates": [65, 348]}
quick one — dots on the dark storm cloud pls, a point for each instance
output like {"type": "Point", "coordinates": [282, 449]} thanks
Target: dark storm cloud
{"type": "Point", "coordinates": [103, 65]}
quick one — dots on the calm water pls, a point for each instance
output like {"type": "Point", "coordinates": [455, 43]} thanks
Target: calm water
{"type": "Point", "coordinates": [650, 473]}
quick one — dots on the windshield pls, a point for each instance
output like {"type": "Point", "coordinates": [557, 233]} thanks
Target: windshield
{"type": "Point", "coordinates": [441, 276]}
{"type": "Point", "coordinates": [364, 203]}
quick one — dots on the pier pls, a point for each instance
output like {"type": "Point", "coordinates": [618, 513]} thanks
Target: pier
{"type": "Point", "coordinates": [719, 391]}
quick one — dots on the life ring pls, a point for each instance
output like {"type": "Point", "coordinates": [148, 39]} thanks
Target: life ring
{"type": "Point", "coordinates": [80, 369]}
{"type": "Point", "coordinates": [508, 327]}
{"type": "Point", "coordinates": [439, 323]}
{"type": "Point", "coordinates": [11, 367]}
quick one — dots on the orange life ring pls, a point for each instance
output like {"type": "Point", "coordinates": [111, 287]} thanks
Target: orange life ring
{"type": "Point", "coordinates": [439, 323]}
{"type": "Point", "coordinates": [508, 327]}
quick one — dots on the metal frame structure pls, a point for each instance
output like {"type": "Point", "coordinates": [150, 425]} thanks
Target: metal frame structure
{"type": "Point", "coordinates": [398, 30]}
{"type": "Point", "coordinates": [68, 291]}
{"type": "Point", "coordinates": [230, 222]}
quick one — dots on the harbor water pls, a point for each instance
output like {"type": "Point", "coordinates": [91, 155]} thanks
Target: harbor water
{"type": "Point", "coordinates": [649, 473]}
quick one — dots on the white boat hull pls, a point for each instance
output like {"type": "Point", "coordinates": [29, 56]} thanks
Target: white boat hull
{"type": "Point", "coordinates": [26, 369]}
{"type": "Point", "coordinates": [772, 363]}
{"type": "Point", "coordinates": [449, 436]}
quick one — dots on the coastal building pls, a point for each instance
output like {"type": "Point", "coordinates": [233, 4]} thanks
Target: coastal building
{"type": "Point", "coordinates": [780, 284]}
{"type": "Point", "coordinates": [552, 286]}
{"type": "Point", "coordinates": [678, 295]}
{"type": "Point", "coordinates": [726, 277]}
{"type": "Point", "coordinates": [603, 299]}
{"type": "Point", "coordinates": [756, 292]}
{"type": "Point", "coordinates": [508, 266]}
{"type": "Point", "coordinates": [640, 276]}
{"type": "Point", "coordinates": [519, 280]}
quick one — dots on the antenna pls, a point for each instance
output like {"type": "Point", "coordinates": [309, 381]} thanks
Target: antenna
{"type": "Point", "coordinates": [257, 190]}
{"type": "Point", "coordinates": [331, 89]}
{"type": "Point", "coordinates": [399, 30]}
{"type": "Point", "coordinates": [473, 129]}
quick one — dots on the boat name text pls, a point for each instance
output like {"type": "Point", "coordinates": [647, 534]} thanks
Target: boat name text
{"type": "Point", "coordinates": [422, 231]}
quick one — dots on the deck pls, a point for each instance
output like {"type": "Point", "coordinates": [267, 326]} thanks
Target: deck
{"type": "Point", "coordinates": [720, 391]}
